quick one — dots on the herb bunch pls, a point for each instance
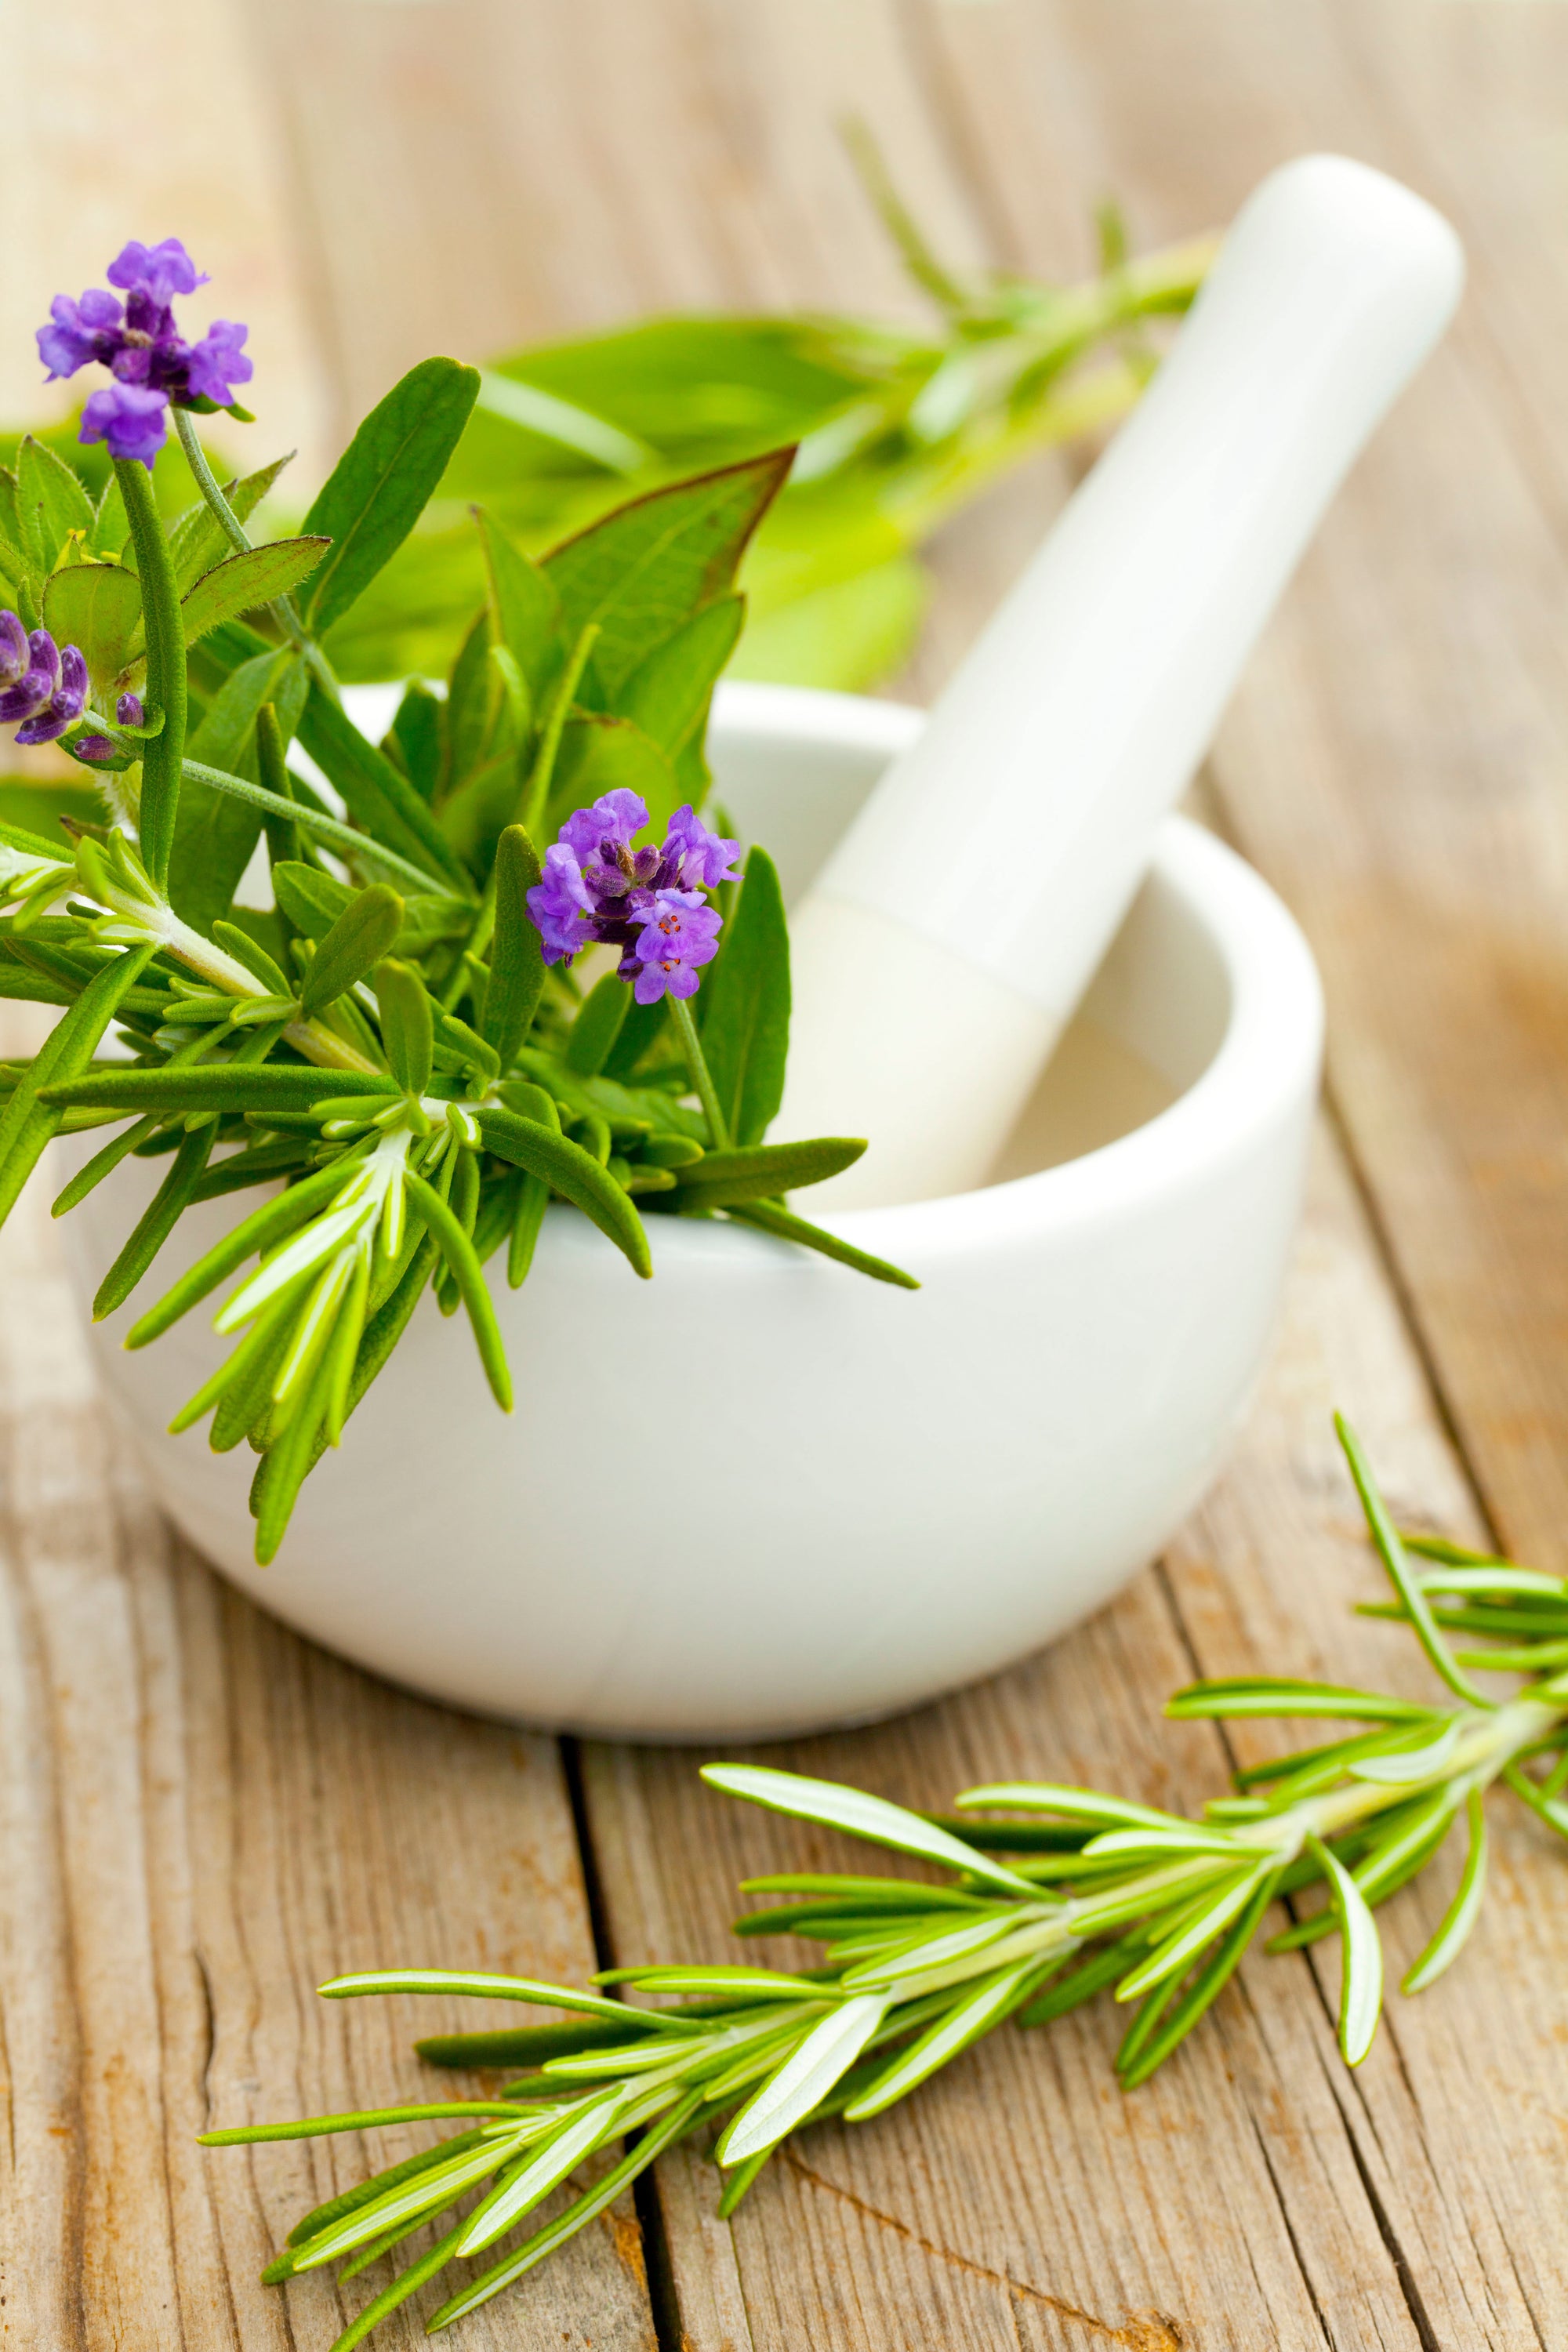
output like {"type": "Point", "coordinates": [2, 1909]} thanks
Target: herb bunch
{"type": "Point", "coordinates": [1096, 1893]}
{"type": "Point", "coordinates": [402, 1039]}
{"type": "Point", "coordinates": [898, 430]}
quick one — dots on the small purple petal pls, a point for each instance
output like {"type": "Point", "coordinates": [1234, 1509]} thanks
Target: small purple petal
{"type": "Point", "coordinates": [131, 420]}
{"type": "Point", "coordinates": [701, 858]}
{"type": "Point", "coordinates": [614, 818]}
{"type": "Point", "coordinates": [73, 676]}
{"type": "Point", "coordinates": [45, 729]}
{"type": "Point", "coordinates": [44, 657]}
{"type": "Point", "coordinates": [79, 332]}
{"type": "Point", "coordinates": [217, 363]}
{"type": "Point", "coordinates": [159, 271]}
{"type": "Point", "coordinates": [681, 937]}
{"type": "Point", "coordinates": [91, 746]}
{"type": "Point", "coordinates": [13, 648]}
{"type": "Point", "coordinates": [129, 711]}
{"type": "Point", "coordinates": [29, 694]}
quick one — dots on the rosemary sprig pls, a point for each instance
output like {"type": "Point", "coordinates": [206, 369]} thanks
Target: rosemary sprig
{"type": "Point", "coordinates": [1054, 1896]}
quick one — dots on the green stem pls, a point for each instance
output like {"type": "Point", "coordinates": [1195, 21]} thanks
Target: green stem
{"type": "Point", "coordinates": [228, 523]}
{"type": "Point", "coordinates": [161, 756]}
{"type": "Point", "coordinates": [537, 793]}
{"type": "Point", "coordinates": [702, 1075]}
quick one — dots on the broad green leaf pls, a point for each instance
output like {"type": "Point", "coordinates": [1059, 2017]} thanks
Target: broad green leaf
{"type": "Point", "coordinates": [353, 846]}
{"type": "Point", "coordinates": [383, 480]}
{"type": "Point", "coordinates": [574, 1174]}
{"type": "Point", "coordinates": [764, 1171]}
{"type": "Point", "coordinates": [600, 754]}
{"type": "Point", "coordinates": [846, 635]}
{"type": "Point", "coordinates": [241, 583]}
{"type": "Point", "coordinates": [378, 795]}
{"type": "Point", "coordinates": [806, 2076]}
{"type": "Point", "coordinates": [473, 708]}
{"type": "Point", "coordinates": [746, 1006]}
{"type": "Point", "coordinates": [417, 733]}
{"type": "Point", "coordinates": [597, 1025]}
{"type": "Point", "coordinates": [1361, 1985]}
{"type": "Point", "coordinates": [214, 832]}
{"type": "Point", "coordinates": [668, 693]}
{"type": "Point", "coordinates": [859, 1815]}
{"type": "Point", "coordinates": [645, 569]}
{"type": "Point", "coordinates": [525, 608]}
{"type": "Point", "coordinates": [38, 807]}
{"type": "Point", "coordinates": [96, 607]}
{"type": "Point", "coordinates": [407, 1030]}
{"type": "Point", "coordinates": [111, 523]}
{"type": "Point", "coordinates": [48, 489]}
{"type": "Point", "coordinates": [362, 935]}
{"type": "Point", "coordinates": [197, 541]}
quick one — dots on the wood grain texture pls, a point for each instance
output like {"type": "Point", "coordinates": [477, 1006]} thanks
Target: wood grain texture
{"type": "Point", "coordinates": [204, 1816]}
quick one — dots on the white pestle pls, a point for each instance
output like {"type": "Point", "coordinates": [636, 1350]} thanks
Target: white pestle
{"type": "Point", "coordinates": [947, 941]}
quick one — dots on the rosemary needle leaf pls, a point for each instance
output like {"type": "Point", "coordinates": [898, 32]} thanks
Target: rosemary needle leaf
{"type": "Point", "coordinates": [861, 1815]}
{"type": "Point", "coordinates": [1360, 1984]}
{"type": "Point", "coordinates": [1462, 1912]}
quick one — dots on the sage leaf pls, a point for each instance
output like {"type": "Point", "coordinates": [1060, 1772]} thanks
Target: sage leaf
{"type": "Point", "coordinates": [50, 494]}
{"type": "Point", "coordinates": [241, 583]}
{"type": "Point", "coordinates": [376, 792]}
{"type": "Point", "coordinates": [383, 482]}
{"type": "Point", "coordinates": [96, 607]}
{"type": "Point", "coordinates": [525, 608]}
{"type": "Point", "coordinates": [746, 1006]}
{"type": "Point", "coordinates": [664, 555]}
{"type": "Point", "coordinates": [668, 693]}
{"type": "Point", "coordinates": [197, 541]}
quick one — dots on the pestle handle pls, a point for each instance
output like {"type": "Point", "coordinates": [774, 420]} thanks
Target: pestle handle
{"type": "Point", "coordinates": [956, 925]}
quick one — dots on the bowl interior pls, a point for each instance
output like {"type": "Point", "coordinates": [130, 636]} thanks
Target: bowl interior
{"type": "Point", "coordinates": [792, 769]}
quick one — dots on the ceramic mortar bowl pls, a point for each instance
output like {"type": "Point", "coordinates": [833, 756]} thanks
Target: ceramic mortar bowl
{"type": "Point", "coordinates": [761, 1493]}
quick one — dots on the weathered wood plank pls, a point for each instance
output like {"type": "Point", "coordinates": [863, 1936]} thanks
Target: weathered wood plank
{"type": "Point", "coordinates": [1241, 2198]}
{"type": "Point", "coordinates": [204, 1817]}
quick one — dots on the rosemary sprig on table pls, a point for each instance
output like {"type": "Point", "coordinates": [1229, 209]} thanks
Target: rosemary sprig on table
{"type": "Point", "coordinates": [1056, 1893]}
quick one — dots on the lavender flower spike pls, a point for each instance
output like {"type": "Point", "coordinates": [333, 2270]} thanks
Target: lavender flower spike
{"type": "Point", "coordinates": [40, 684]}
{"type": "Point", "coordinates": [704, 859]}
{"type": "Point", "coordinates": [131, 419]}
{"type": "Point", "coordinates": [140, 344]}
{"type": "Point", "coordinates": [682, 935]}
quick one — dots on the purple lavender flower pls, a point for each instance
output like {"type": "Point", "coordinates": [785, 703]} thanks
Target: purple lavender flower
{"type": "Point", "coordinates": [157, 271]}
{"type": "Point", "coordinates": [681, 934]}
{"type": "Point", "coordinates": [130, 419]}
{"type": "Point", "coordinates": [217, 363]}
{"type": "Point", "coordinates": [93, 747]}
{"type": "Point", "coordinates": [41, 684]}
{"type": "Point", "coordinates": [129, 711]}
{"type": "Point", "coordinates": [143, 349]}
{"type": "Point", "coordinates": [596, 890]}
{"type": "Point", "coordinates": [79, 332]}
{"type": "Point", "coordinates": [704, 858]}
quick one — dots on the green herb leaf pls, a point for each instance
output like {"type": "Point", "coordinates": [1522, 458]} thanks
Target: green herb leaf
{"type": "Point", "coordinates": [34, 1112]}
{"type": "Point", "coordinates": [241, 583]}
{"type": "Point", "coordinates": [768, 1217]}
{"type": "Point", "coordinates": [362, 935]}
{"type": "Point", "coordinates": [382, 799]}
{"type": "Point", "coordinates": [214, 832]}
{"type": "Point", "coordinates": [746, 1005]}
{"type": "Point", "coordinates": [720, 1179]}
{"type": "Point", "coordinates": [592, 1035]}
{"type": "Point", "coordinates": [859, 1815]}
{"type": "Point", "coordinates": [407, 1025]}
{"type": "Point", "coordinates": [96, 607]}
{"type": "Point", "coordinates": [383, 480]}
{"type": "Point", "coordinates": [53, 498]}
{"type": "Point", "coordinates": [1360, 1986]}
{"type": "Point", "coordinates": [574, 1174]}
{"type": "Point", "coordinates": [647, 566]}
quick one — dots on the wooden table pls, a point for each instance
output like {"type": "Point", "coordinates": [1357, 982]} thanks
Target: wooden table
{"type": "Point", "coordinates": [204, 1816]}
